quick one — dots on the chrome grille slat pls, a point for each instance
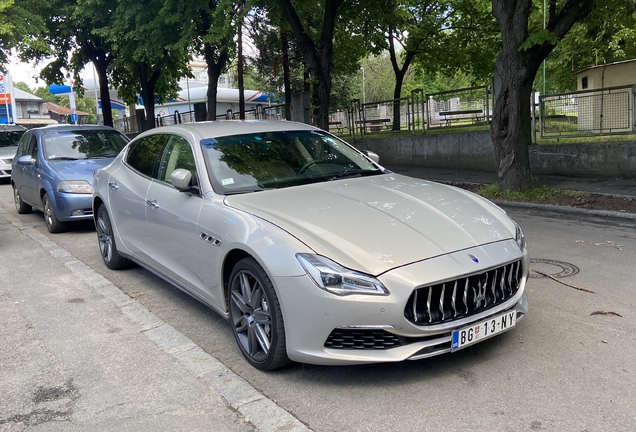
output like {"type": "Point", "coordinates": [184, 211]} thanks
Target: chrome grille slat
{"type": "Point", "coordinates": [471, 294]}
{"type": "Point", "coordinates": [453, 299]}
{"type": "Point", "coordinates": [441, 302]}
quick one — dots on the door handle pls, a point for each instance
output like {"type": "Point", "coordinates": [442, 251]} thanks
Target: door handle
{"type": "Point", "coordinates": [153, 203]}
{"type": "Point", "coordinates": [113, 185]}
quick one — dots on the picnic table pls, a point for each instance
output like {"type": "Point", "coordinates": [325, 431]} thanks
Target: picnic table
{"type": "Point", "coordinates": [375, 125]}
{"type": "Point", "coordinates": [447, 116]}
{"type": "Point", "coordinates": [337, 124]}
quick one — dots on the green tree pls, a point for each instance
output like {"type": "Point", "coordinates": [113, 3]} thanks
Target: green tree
{"type": "Point", "coordinates": [70, 38]}
{"type": "Point", "coordinates": [524, 48]}
{"type": "Point", "coordinates": [151, 57]}
{"type": "Point", "coordinates": [607, 35]}
{"type": "Point", "coordinates": [313, 26]}
{"type": "Point", "coordinates": [208, 29]}
{"type": "Point", "coordinates": [20, 24]}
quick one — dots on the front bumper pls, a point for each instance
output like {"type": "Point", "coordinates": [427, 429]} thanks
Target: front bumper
{"type": "Point", "coordinates": [311, 314]}
{"type": "Point", "coordinates": [73, 207]}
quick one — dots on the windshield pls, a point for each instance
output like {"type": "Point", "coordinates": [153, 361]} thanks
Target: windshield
{"type": "Point", "coordinates": [82, 144]}
{"type": "Point", "coordinates": [10, 138]}
{"type": "Point", "coordinates": [252, 162]}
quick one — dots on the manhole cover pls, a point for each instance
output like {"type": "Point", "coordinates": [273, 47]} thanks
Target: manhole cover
{"type": "Point", "coordinates": [556, 269]}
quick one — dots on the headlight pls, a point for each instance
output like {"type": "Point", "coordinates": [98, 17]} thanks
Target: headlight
{"type": "Point", "coordinates": [520, 238]}
{"type": "Point", "coordinates": [338, 280]}
{"type": "Point", "coordinates": [75, 187]}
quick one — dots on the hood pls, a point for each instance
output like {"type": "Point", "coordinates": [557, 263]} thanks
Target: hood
{"type": "Point", "coordinates": [82, 169]}
{"type": "Point", "coordinates": [8, 152]}
{"type": "Point", "coordinates": [374, 224]}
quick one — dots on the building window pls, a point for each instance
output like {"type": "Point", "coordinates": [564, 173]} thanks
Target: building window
{"type": "Point", "coordinates": [32, 108]}
{"type": "Point", "coordinates": [584, 83]}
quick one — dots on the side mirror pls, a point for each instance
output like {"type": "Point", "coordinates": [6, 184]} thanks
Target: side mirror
{"type": "Point", "coordinates": [26, 160]}
{"type": "Point", "coordinates": [373, 156]}
{"type": "Point", "coordinates": [181, 179]}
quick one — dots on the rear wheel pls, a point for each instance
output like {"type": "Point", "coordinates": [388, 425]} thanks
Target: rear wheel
{"type": "Point", "coordinates": [256, 317]}
{"type": "Point", "coordinates": [20, 206]}
{"type": "Point", "coordinates": [106, 241]}
{"type": "Point", "coordinates": [53, 224]}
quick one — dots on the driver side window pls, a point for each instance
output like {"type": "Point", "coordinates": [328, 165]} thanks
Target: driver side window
{"type": "Point", "coordinates": [177, 154]}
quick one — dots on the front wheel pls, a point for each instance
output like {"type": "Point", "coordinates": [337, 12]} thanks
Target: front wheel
{"type": "Point", "coordinates": [106, 241]}
{"type": "Point", "coordinates": [53, 224]}
{"type": "Point", "coordinates": [256, 317]}
{"type": "Point", "coordinates": [20, 206]}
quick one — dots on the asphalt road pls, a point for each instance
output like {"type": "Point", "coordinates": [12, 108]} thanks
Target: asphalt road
{"type": "Point", "coordinates": [570, 365]}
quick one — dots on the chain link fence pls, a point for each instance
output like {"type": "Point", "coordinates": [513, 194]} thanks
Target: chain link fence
{"type": "Point", "coordinates": [608, 111]}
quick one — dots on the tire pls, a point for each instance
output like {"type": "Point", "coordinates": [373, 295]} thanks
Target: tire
{"type": "Point", "coordinates": [106, 242]}
{"type": "Point", "coordinates": [20, 206]}
{"type": "Point", "coordinates": [53, 224]}
{"type": "Point", "coordinates": [255, 316]}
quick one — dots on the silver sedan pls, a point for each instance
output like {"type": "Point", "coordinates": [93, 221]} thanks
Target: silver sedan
{"type": "Point", "coordinates": [311, 250]}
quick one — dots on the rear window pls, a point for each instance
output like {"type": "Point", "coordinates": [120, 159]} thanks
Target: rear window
{"type": "Point", "coordinates": [10, 138]}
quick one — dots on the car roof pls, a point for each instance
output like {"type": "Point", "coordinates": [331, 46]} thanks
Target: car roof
{"type": "Point", "coordinates": [11, 127]}
{"type": "Point", "coordinates": [218, 128]}
{"type": "Point", "coordinates": [69, 127]}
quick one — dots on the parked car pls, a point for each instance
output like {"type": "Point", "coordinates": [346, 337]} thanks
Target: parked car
{"type": "Point", "coordinates": [53, 170]}
{"type": "Point", "coordinates": [10, 134]}
{"type": "Point", "coordinates": [313, 251]}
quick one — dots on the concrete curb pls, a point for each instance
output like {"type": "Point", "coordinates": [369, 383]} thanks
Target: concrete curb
{"type": "Point", "coordinates": [567, 210]}
{"type": "Point", "coordinates": [262, 413]}
{"type": "Point", "coordinates": [556, 208]}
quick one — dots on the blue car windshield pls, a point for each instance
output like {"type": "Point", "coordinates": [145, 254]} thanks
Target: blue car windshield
{"type": "Point", "coordinates": [272, 160]}
{"type": "Point", "coordinates": [82, 144]}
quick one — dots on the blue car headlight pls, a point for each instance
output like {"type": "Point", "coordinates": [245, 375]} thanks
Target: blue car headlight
{"type": "Point", "coordinates": [75, 187]}
{"type": "Point", "coordinates": [332, 277]}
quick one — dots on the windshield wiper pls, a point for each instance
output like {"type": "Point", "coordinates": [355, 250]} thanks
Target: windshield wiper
{"type": "Point", "coordinates": [353, 174]}
{"type": "Point", "coordinates": [63, 158]}
{"type": "Point", "coordinates": [101, 155]}
{"type": "Point", "coordinates": [243, 191]}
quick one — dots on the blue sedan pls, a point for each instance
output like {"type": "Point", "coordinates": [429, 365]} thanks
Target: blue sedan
{"type": "Point", "coordinates": [53, 170]}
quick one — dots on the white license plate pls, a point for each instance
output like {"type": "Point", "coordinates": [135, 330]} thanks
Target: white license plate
{"type": "Point", "coordinates": [483, 330]}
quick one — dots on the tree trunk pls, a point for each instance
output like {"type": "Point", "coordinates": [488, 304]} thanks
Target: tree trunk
{"type": "Point", "coordinates": [214, 72]}
{"type": "Point", "coordinates": [286, 74]}
{"type": "Point", "coordinates": [317, 56]}
{"type": "Point", "coordinates": [104, 93]}
{"type": "Point", "coordinates": [517, 65]}
{"type": "Point", "coordinates": [511, 130]}
{"type": "Point", "coordinates": [399, 73]}
{"type": "Point", "coordinates": [148, 93]}
{"type": "Point", "coordinates": [241, 83]}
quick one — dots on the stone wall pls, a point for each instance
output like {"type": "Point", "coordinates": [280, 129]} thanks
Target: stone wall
{"type": "Point", "coordinates": [474, 151]}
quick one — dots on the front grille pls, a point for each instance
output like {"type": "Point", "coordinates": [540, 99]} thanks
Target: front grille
{"type": "Point", "coordinates": [363, 339]}
{"type": "Point", "coordinates": [463, 297]}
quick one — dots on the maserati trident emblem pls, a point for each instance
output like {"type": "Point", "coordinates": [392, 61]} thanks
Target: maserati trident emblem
{"type": "Point", "coordinates": [479, 294]}
{"type": "Point", "coordinates": [473, 258]}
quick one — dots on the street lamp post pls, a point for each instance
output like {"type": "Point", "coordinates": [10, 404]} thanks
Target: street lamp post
{"type": "Point", "coordinates": [363, 98]}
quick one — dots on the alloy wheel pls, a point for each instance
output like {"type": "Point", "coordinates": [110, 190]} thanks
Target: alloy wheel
{"type": "Point", "coordinates": [105, 237]}
{"type": "Point", "coordinates": [251, 316]}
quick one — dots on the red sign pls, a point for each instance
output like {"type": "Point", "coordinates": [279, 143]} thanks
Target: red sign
{"type": "Point", "coordinates": [1, 77]}
{"type": "Point", "coordinates": [5, 98]}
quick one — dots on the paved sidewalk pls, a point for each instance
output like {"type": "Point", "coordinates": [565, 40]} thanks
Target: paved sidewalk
{"type": "Point", "coordinates": [612, 187]}
{"type": "Point", "coordinates": [77, 354]}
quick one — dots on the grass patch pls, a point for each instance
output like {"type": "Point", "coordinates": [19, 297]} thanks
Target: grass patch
{"type": "Point", "coordinates": [536, 193]}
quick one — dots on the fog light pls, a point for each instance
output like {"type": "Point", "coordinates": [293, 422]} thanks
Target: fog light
{"type": "Point", "coordinates": [79, 212]}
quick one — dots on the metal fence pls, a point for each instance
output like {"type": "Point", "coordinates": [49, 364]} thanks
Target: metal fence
{"type": "Point", "coordinates": [608, 111]}
{"type": "Point", "coordinates": [461, 107]}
